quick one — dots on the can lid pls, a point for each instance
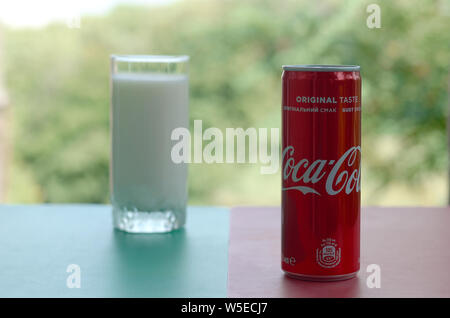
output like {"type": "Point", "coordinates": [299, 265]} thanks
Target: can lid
{"type": "Point", "coordinates": [322, 68]}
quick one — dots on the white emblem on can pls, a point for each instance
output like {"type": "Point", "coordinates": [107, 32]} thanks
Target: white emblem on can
{"type": "Point", "coordinates": [328, 255]}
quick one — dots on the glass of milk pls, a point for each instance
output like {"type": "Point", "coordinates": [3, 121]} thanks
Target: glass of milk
{"type": "Point", "coordinates": [149, 98]}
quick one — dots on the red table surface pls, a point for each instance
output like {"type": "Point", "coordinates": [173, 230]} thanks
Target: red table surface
{"type": "Point", "coordinates": [411, 245]}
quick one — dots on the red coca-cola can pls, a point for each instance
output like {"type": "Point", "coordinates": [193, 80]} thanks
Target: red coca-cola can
{"type": "Point", "coordinates": [321, 171]}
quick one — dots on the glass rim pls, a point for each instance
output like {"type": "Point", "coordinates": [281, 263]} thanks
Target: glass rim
{"type": "Point", "coordinates": [142, 58]}
{"type": "Point", "coordinates": [322, 68]}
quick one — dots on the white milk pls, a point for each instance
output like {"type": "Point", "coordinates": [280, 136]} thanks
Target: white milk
{"type": "Point", "coordinates": [145, 110]}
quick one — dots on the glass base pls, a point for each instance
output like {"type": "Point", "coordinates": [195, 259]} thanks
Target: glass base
{"type": "Point", "coordinates": [134, 221]}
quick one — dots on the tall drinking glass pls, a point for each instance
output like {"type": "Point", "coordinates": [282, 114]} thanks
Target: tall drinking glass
{"type": "Point", "coordinates": [149, 98]}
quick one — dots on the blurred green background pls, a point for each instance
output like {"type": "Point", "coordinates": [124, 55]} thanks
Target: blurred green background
{"type": "Point", "coordinates": [57, 80]}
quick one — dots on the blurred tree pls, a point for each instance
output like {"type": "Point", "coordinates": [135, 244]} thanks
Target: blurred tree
{"type": "Point", "coordinates": [58, 81]}
{"type": "Point", "coordinates": [4, 128]}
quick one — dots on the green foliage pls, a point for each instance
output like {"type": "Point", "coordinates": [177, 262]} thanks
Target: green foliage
{"type": "Point", "coordinates": [58, 84]}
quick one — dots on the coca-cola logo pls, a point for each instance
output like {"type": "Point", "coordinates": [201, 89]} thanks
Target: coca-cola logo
{"type": "Point", "coordinates": [341, 175]}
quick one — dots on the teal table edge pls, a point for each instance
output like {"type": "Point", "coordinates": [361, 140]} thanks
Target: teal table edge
{"type": "Point", "coordinates": [44, 247]}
